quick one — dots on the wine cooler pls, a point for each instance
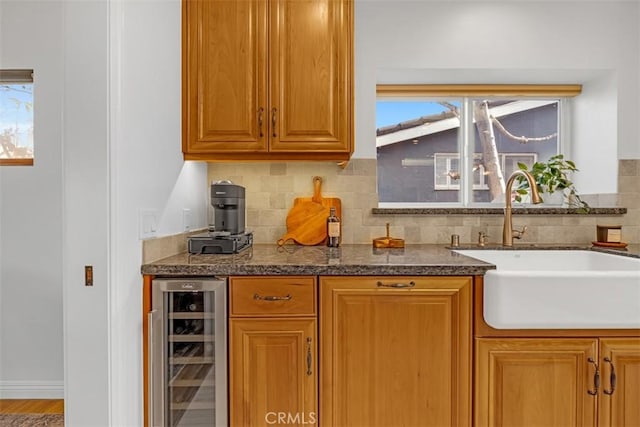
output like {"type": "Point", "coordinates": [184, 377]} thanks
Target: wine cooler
{"type": "Point", "coordinates": [188, 353]}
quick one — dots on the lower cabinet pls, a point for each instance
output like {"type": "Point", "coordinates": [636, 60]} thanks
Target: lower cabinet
{"type": "Point", "coordinates": [557, 382]}
{"type": "Point", "coordinates": [395, 351]}
{"type": "Point", "coordinates": [619, 403]}
{"type": "Point", "coordinates": [272, 351]}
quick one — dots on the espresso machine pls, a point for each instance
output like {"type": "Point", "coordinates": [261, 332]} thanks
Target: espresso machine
{"type": "Point", "coordinates": [228, 235]}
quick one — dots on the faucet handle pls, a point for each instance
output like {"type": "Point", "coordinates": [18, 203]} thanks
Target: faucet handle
{"type": "Point", "coordinates": [517, 234]}
{"type": "Point", "coordinates": [482, 238]}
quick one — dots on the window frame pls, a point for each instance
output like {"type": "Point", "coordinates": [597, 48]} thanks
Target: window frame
{"type": "Point", "coordinates": [467, 92]}
{"type": "Point", "coordinates": [17, 76]}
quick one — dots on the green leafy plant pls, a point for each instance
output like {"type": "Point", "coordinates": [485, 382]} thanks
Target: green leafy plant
{"type": "Point", "coordinates": [552, 176]}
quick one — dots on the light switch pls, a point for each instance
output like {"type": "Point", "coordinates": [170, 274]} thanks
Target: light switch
{"type": "Point", "coordinates": [147, 223]}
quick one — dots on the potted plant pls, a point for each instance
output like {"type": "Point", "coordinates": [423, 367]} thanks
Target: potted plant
{"type": "Point", "coordinates": [551, 177]}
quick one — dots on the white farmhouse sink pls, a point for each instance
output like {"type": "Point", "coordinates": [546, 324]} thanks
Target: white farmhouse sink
{"type": "Point", "coordinates": [560, 289]}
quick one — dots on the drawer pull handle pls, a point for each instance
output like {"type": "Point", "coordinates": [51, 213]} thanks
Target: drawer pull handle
{"type": "Point", "coordinates": [309, 357]}
{"type": "Point", "coordinates": [396, 285]}
{"type": "Point", "coordinates": [272, 297]}
{"type": "Point", "coordinates": [596, 378]}
{"type": "Point", "coordinates": [612, 378]}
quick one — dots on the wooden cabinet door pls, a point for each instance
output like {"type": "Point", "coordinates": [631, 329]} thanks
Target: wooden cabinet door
{"type": "Point", "coordinates": [395, 356]}
{"type": "Point", "coordinates": [535, 382]}
{"type": "Point", "coordinates": [272, 372]}
{"type": "Point", "coordinates": [311, 75]}
{"type": "Point", "coordinates": [224, 76]}
{"type": "Point", "coordinates": [620, 403]}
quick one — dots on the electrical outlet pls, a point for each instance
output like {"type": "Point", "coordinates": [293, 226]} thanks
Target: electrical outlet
{"type": "Point", "coordinates": [186, 219]}
{"type": "Point", "coordinates": [147, 223]}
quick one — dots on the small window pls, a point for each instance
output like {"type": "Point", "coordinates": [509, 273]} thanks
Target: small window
{"type": "Point", "coordinates": [16, 117]}
{"type": "Point", "coordinates": [459, 144]}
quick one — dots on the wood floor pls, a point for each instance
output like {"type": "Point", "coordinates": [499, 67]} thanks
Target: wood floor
{"type": "Point", "coordinates": [24, 406]}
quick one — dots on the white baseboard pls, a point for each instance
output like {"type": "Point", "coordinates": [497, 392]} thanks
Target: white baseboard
{"type": "Point", "coordinates": [31, 389]}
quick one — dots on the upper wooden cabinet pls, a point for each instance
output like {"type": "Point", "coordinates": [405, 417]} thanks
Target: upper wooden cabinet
{"type": "Point", "coordinates": [267, 79]}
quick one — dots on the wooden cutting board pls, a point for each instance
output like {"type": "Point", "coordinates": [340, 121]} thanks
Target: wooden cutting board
{"type": "Point", "coordinates": [324, 201]}
{"type": "Point", "coordinates": [307, 219]}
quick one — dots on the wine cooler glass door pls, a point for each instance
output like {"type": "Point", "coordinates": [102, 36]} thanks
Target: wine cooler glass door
{"type": "Point", "coordinates": [194, 354]}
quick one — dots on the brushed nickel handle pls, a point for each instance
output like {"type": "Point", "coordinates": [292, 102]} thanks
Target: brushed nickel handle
{"type": "Point", "coordinates": [260, 120]}
{"type": "Point", "coordinates": [309, 356]}
{"type": "Point", "coordinates": [612, 378]}
{"type": "Point", "coordinates": [272, 297]}
{"type": "Point", "coordinates": [396, 285]}
{"type": "Point", "coordinates": [274, 114]}
{"type": "Point", "coordinates": [596, 378]}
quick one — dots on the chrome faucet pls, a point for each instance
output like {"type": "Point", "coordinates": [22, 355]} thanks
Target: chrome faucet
{"type": "Point", "coordinates": [507, 229]}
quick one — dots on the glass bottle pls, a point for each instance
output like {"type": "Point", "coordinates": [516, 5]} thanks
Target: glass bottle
{"type": "Point", "coordinates": [333, 229]}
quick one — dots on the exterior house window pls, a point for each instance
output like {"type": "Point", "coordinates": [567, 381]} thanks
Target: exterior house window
{"type": "Point", "coordinates": [459, 144]}
{"type": "Point", "coordinates": [16, 117]}
{"type": "Point", "coordinates": [447, 169]}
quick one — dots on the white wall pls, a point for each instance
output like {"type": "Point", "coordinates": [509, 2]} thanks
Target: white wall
{"type": "Point", "coordinates": [31, 356]}
{"type": "Point", "coordinates": [508, 42]}
{"type": "Point", "coordinates": [148, 172]}
{"type": "Point", "coordinates": [86, 212]}
{"type": "Point", "coordinates": [113, 68]}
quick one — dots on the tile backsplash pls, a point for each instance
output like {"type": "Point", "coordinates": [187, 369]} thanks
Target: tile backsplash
{"type": "Point", "coordinates": [272, 187]}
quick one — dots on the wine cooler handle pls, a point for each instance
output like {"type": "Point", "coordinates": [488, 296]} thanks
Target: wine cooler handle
{"type": "Point", "coordinates": [309, 356]}
{"type": "Point", "coordinates": [596, 378]}
{"type": "Point", "coordinates": [272, 297]}
{"type": "Point", "coordinates": [612, 378]}
{"type": "Point", "coordinates": [150, 364]}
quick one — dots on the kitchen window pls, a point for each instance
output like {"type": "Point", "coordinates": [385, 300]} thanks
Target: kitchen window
{"type": "Point", "coordinates": [458, 144]}
{"type": "Point", "coordinates": [447, 168]}
{"type": "Point", "coordinates": [16, 117]}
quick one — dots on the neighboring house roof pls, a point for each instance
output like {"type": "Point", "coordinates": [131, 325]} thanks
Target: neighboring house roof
{"type": "Point", "coordinates": [427, 125]}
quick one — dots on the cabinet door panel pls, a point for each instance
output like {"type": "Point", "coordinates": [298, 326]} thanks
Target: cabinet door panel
{"type": "Point", "coordinates": [270, 375]}
{"type": "Point", "coordinates": [395, 356]}
{"type": "Point", "coordinates": [225, 75]}
{"type": "Point", "coordinates": [535, 382]}
{"type": "Point", "coordinates": [310, 59]}
{"type": "Point", "coordinates": [622, 407]}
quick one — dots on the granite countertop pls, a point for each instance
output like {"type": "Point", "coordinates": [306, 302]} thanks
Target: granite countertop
{"type": "Point", "coordinates": [347, 260]}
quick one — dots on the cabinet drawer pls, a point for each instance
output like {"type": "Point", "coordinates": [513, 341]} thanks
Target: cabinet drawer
{"type": "Point", "coordinates": [269, 296]}
{"type": "Point", "coordinates": [399, 283]}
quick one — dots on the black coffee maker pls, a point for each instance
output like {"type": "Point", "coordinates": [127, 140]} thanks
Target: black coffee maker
{"type": "Point", "coordinates": [227, 200]}
{"type": "Point", "coordinates": [228, 235]}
